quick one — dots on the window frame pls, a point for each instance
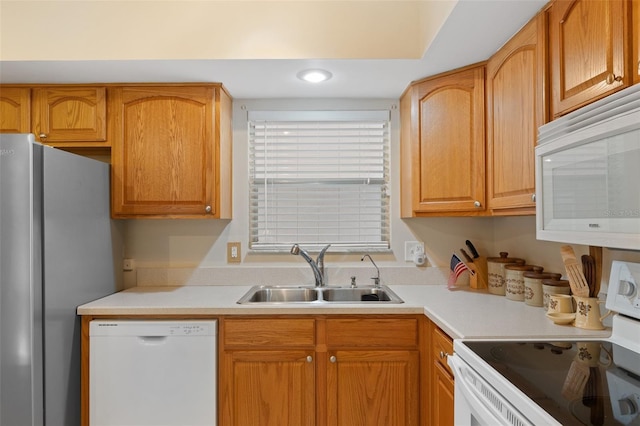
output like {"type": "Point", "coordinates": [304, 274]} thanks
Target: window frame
{"type": "Point", "coordinates": [383, 117]}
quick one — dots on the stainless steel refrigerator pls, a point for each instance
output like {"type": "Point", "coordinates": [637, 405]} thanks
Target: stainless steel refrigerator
{"type": "Point", "coordinates": [56, 252]}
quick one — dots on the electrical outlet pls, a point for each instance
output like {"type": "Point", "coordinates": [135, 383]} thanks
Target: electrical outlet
{"type": "Point", "coordinates": [234, 254]}
{"type": "Point", "coordinates": [411, 248]}
{"type": "Point", "coordinates": [127, 265]}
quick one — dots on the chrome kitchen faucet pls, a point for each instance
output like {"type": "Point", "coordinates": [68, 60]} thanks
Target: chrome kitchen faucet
{"type": "Point", "coordinates": [316, 266]}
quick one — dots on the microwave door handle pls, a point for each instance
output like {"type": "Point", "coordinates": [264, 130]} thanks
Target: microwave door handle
{"type": "Point", "coordinates": [479, 410]}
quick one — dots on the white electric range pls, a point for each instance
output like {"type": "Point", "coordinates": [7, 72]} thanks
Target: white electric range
{"type": "Point", "coordinates": [589, 382]}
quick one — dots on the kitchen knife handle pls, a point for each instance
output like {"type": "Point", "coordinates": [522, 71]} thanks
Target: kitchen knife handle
{"type": "Point", "coordinates": [473, 250]}
{"type": "Point", "coordinates": [466, 256]}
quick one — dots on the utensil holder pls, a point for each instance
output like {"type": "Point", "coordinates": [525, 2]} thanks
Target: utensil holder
{"type": "Point", "coordinates": [479, 279]}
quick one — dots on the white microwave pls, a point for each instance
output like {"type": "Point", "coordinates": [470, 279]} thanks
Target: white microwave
{"type": "Point", "coordinates": [588, 174]}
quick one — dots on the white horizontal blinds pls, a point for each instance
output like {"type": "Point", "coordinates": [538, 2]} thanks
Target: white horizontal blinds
{"type": "Point", "coordinates": [319, 177]}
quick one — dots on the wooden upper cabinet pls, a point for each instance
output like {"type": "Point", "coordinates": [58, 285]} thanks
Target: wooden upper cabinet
{"type": "Point", "coordinates": [589, 45]}
{"type": "Point", "coordinates": [15, 110]}
{"type": "Point", "coordinates": [171, 151]}
{"type": "Point", "coordinates": [445, 145]}
{"type": "Point", "coordinates": [70, 116]}
{"type": "Point", "coordinates": [516, 107]}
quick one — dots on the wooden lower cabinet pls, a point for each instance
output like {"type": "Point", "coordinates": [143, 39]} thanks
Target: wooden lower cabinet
{"type": "Point", "coordinates": [442, 389]}
{"type": "Point", "coordinates": [267, 372]}
{"type": "Point", "coordinates": [270, 388]}
{"type": "Point", "coordinates": [442, 382]}
{"type": "Point", "coordinates": [320, 371]}
{"type": "Point", "coordinates": [373, 387]}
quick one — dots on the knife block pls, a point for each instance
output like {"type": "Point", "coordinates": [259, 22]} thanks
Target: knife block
{"type": "Point", "coordinates": [480, 277]}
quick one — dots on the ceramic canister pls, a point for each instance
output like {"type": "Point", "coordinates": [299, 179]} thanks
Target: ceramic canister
{"type": "Point", "coordinates": [553, 286]}
{"type": "Point", "coordinates": [495, 267]}
{"type": "Point", "coordinates": [514, 281]}
{"type": "Point", "coordinates": [533, 295]}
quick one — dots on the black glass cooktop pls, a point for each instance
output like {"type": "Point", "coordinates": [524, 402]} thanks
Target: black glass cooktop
{"type": "Point", "coordinates": [581, 383]}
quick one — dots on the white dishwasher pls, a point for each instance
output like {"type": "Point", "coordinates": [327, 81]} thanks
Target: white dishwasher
{"type": "Point", "coordinates": [152, 373]}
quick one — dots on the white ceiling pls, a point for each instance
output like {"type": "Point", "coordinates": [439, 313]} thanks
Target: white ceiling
{"type": "Point", "coordinates": [474, 30]}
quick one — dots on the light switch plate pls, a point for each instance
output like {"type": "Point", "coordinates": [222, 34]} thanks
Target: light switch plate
{"type": "Point", "coordinates": [234, 254]}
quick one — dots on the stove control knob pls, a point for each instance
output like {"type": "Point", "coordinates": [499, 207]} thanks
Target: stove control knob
{"type": "Point", "coordinates": [627, 407]}
{"type": "Point", "coordinates": [626, 288]}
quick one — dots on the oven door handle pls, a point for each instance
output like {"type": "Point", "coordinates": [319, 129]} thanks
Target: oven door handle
{"type": "Point", "coordinates": [478, 408]}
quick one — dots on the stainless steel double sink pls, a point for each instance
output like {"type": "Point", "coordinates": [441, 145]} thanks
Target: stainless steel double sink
{"type": "Point", "coordinates": [302, 294]}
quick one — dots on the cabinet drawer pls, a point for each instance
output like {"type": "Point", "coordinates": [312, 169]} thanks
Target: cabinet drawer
{"type": "Point", "coordinates": [269, 332]}
{"type": "Point", "coordinates": [442, 344]}
{"type": "Point", "coordinates": [375, 332]}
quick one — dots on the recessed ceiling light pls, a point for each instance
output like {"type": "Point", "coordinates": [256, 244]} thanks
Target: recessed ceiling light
{"type": "Point", "coordinates": [314, 75]}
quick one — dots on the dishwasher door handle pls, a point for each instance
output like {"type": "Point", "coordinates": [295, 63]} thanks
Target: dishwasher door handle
{"type": "Point", "coordinates": [152, 340]}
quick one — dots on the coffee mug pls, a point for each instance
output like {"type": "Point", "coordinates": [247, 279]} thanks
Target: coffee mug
{"type": "Point", "coordinates": [548, 289]}
{"type": "Point", "coordinates": [588, 313]}
{"type": "Point", "coordinates": [560, 303]}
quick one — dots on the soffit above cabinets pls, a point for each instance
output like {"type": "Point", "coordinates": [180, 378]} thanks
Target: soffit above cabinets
{"type": "Point", "coordinates": [254, 47]}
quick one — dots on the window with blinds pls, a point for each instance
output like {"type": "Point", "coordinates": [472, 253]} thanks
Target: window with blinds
{"type": "Point", "coordinates": [317, 178]}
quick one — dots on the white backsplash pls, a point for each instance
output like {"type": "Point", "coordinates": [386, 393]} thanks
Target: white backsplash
{"type": "Point", "coordinates": [286, 275]}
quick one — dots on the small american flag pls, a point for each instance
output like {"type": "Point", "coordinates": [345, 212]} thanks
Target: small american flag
{"type": "Point", "coordinates": [457, 268]}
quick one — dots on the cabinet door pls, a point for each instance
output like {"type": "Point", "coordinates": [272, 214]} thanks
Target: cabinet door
{"type": "Point", "coordinates": [443, 389]}
{"type": "Point", "coordinates": [442, 384]}
{"type": "Point", "coordinates": [588, 45]}
{"type": "Point", "coordinates": [163, 151]}
{"type": "Point", "coordinates": [268, 388]}
{"type": "Point", "coordinates": [451, 174]}
{"type": "Point", "coordinates": [70, 116]}
{"type": "Point", "coordinates": [15, 109]}
{"type": "Point", "coordinates": [373, 388]}
{"type": "Point", "coordinates": [267, 371]}
{"type": "Point", "coordinates": [515, 110]}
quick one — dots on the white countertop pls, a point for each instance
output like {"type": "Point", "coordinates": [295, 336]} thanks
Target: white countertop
{"type": "Point", "coordinates": [460, 313]}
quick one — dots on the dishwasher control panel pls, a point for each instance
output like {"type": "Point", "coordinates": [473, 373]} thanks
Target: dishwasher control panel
{"type": "Point", "coordinates": [152, 328]}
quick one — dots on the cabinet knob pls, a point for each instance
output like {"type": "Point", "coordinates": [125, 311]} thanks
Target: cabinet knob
{"type": "Point", "coordinates": [42, 135]}
{"type": "Point", "coordinates": [611, 78]}
{"type": "Point", "coordinates": [443, 354]}
{"type": "Point", "coordinates": [207, 209]}
{"type": "Point", "coordinates": [309, 358]}
{"type": "Point", "coordinates": [477, 204]}
{"type": "Point", "coordinates": [533, 198]}
{"type": "Point", "coordinates": [332, 359]}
